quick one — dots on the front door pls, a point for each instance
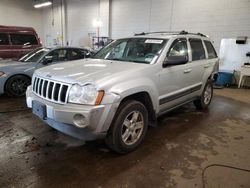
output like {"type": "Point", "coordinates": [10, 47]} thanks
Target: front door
{"type": "Point", "coordinates": [175, 79]}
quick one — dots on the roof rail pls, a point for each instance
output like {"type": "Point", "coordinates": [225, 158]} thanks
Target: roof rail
{"type": "Point", "coordinates": [158, 32]}
{"type": "Point", "coordinates": [183, 32]}
{"type": "Point", "coordinates": [186, 32]}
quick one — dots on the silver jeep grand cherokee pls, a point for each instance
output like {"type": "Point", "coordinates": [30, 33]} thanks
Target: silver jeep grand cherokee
{"type": "Point", "coordinates": [125, 87]}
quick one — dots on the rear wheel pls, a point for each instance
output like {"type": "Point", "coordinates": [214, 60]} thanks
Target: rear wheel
{"type": "Point", "coordinates": [16, 86]}
{"type": "Point", "coordinates": [128, 128]}
{"type": "Point", "coordinates": [206, 97]}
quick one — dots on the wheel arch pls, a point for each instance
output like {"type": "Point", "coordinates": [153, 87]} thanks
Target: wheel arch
{"type": "Point", "coordinates": [27, 76]}
{"type": "Point", "coordinates": [145, 98]}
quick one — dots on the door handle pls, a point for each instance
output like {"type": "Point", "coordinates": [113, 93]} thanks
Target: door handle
{"type": "Point", "coordinates": [206, 66]}
{"type": "Point", "coordinates": [187, 71]}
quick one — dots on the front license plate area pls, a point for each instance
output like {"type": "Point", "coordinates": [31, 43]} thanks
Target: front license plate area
{"type": "Point", "coordinates": [39, 109]}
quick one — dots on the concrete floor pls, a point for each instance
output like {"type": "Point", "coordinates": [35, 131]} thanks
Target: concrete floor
{"type": "Point", "coordinates": [175, 154]}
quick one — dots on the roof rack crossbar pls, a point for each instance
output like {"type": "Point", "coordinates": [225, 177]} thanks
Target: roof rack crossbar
{"type": "Point", "coordinates": [186, 32]}
{"type": "Point", "coordinates": [157, 32]}
{"type": "Point", "coordinates": [183, 32]}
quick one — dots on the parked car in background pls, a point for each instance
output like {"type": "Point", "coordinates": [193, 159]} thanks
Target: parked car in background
{"type": "Point", "coordinates": [17, 41]}
{"type": "Point", "coordinates": [15, 76]}
{"type": "Point", "coordinates": [125, 87]}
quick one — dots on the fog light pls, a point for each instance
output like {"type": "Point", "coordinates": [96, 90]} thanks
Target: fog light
{"type": "Point", "coordinates": [80, 120]}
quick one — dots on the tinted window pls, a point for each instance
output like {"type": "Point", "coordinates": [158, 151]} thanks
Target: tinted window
{"type": "Point", "coordinates": [197, 48]}
{"type": "Point", "coordinates": [76, 54]}
{"type": "Point", "coordinates": [23, 39]}
{"type": "Point", "coordinates": [178, 48]}
{"type": "Point", "coordinates": [4, 40]}
{"type": "Point", "coordinates": [210, 50]}
{"type": "Point", "coordinates": [59, 55]}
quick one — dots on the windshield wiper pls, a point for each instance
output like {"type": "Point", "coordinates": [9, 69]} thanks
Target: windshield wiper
{"type": "Point", "coordinates": [116, 59]}
{"type": "Point", "coordinates": [136, 61]}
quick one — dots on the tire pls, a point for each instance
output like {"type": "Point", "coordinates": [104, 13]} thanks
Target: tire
{"type": "Point", "coordinates": [206, 97]}
{"type": "Point", "coordinates": [16, 86]}
{"type": "Point", "coordinates": [128, 128]}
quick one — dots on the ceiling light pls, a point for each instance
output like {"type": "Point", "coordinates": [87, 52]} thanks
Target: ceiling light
{"type": "Point", "coordinates": [97, 23]}
{"type": "Point", "coordinates": [44, 4]}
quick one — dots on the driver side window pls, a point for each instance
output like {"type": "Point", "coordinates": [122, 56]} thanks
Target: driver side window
{"type": "Point", "coordinates": [178, 48]}
{"type": "Point", "coordinates": [59, 55]}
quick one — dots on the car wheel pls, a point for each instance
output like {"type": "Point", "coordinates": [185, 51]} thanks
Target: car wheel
{"type": "Point", "coordinates": [206, 97]}
{"type": "Point", "coordinates": [16, 86]}
{"type": "Point", "coordinates": [129, 127]}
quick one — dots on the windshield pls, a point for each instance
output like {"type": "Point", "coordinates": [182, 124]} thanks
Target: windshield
{"type": "Point", "coordinates": [138, 50]}
{"type": "Point", "coordinates": [35, 55]}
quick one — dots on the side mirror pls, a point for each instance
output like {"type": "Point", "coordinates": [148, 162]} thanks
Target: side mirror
{"type": "Point", "coordinates": [47, 60]}
{"type": "Point", "coordinates": [87, 55]}
{"type": "Point", "coordinates": [175, 60]}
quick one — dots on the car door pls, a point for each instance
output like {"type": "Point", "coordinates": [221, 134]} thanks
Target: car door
{"type": "Point", "coordinates": [56, 56]}
{"type": "Point", "coordinates": [197, 65]}
{"type": "Point", "coordinates": [212, 64]}
{"type": "Point", "coordinates": [174, 80]}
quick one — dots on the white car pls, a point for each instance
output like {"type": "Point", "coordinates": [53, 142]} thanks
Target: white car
{"type": "Point", "coordinates": [127, 85]}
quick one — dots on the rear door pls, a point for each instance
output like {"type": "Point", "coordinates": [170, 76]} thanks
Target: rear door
{"type": "Point", "coordinates": [197, 64]}
{"type": "Point", "coordinates": [212, 57]}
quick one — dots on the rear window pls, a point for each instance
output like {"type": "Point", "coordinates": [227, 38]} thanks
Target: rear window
{"type": "Point", "coordinates": [4, 40]}
{"type": "Point", "coordinates": [198, 52]}
{"type": "Point", "coordinates": [210, 50]}
{"type": "Point", "coordinates": [23, 39]}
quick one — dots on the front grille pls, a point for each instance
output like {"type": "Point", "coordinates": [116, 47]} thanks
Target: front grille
{"type": "Point", "coordinates": [50, 90]}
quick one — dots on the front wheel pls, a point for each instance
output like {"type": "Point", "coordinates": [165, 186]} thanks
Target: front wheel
{"type": "Point", "coordinates": [206, 97]}
{"type": "Point", "coordinates": [129, 127]}
{"type": "Point", "coordinates": [16, 86]}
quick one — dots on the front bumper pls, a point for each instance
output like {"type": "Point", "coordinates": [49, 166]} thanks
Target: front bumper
{"type": "Point", "coordinates": [61, 117]}
{"type": "Point", "coordinates": [2, 83]}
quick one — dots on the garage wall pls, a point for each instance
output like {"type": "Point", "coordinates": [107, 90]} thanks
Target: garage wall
{"type": "Point", "coordinates": [218, 19]}
{"type": "Point", "coordinates": [20, 13]}
{"type": "Point", "coordinates": [54, 24]}
{"type": "Point", "coordinates": [129, 17]}
{"type": "Point", "coordinates": [80, 16]}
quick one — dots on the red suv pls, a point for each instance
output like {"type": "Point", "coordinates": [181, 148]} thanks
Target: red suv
{"type": "Point", "coordinates": [17, 41]}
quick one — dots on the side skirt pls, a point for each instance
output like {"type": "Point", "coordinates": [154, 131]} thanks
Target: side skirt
{"type": "Point", "coordinates": [172, 108]}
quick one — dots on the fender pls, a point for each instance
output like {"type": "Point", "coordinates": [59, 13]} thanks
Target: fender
{"type": "Point", "coordinates": [134, 86]}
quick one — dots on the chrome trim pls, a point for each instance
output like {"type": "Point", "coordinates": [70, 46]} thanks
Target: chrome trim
{"type": "Point", "coordinates": [39, 83]}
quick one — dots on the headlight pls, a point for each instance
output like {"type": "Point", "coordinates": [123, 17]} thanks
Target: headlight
{"type": "Point", "coordinates": [2, 74]}
{"type": "Point", "coordinates": [87, 94]}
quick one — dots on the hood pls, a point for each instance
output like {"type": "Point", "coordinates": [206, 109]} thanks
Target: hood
{"type": "Point", "coordinates": [88, 70]}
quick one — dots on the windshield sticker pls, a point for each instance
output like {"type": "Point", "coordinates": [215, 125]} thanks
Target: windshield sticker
{"type": "Point", "coordinates": [153, 41]}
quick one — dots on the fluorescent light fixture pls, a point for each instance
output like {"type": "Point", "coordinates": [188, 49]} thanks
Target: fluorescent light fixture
{"type": "Point", "coordinates": [44, 4]}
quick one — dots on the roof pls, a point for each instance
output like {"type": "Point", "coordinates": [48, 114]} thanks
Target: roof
{"type": "Point", "coordinates": [16, 28]}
